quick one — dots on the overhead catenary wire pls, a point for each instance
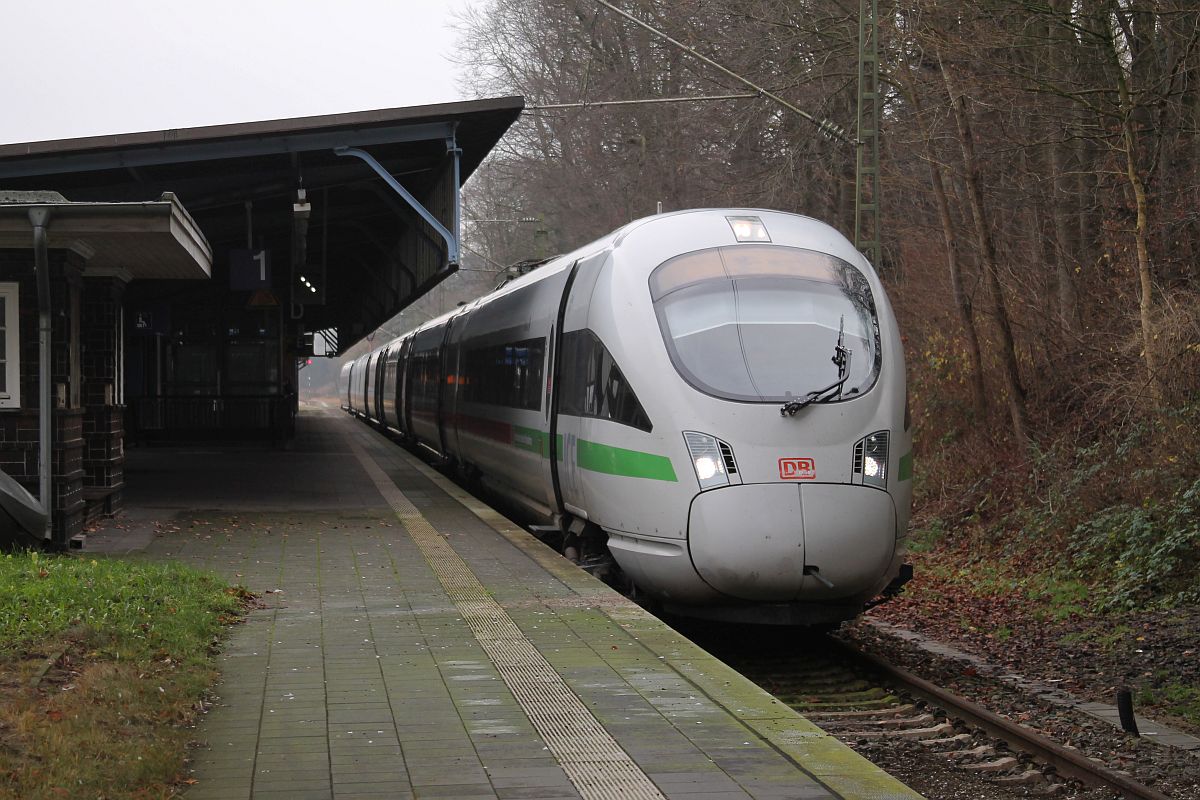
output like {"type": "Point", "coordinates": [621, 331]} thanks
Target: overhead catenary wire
{"type": "Point", "coordinates": [499, 267]}
{"type": "Point", "coordinates": [828, 128]}
{"type": "Point", "coordinates": [649, 101]}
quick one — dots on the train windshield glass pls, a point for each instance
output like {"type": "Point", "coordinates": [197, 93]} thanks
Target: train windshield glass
{"type": "Point", "coordinates": [760, 323]}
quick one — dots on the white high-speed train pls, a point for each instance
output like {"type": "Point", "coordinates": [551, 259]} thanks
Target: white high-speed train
{"type": "Point", "coordinates": [714, 397]}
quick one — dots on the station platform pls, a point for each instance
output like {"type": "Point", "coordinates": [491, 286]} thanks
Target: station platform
{"type": "Point", "coordinates": [414, 643]}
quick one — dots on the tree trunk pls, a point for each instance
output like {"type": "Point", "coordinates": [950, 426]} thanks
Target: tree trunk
{"type": "Point", "coordinates": [1145, 278]}
{"type": "Point", "coordinates": [1129, 141]}
{"type": "Point", "coordinates": [1065, 261]}
{"type": "Point", "coordinates": [962, 301]}
{"type": "Point", "coordinates": [987, 254]}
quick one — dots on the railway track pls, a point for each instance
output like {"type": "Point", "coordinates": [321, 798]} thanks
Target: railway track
{"type": "Point", "coordinates": [864, 700]}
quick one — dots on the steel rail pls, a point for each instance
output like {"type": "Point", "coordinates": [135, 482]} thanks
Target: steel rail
{"type": "Point", "coordinates": [1068, 763]}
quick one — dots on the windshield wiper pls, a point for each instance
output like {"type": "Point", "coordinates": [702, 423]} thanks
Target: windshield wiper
{"type": "Point", "coordinates": [841, 359]}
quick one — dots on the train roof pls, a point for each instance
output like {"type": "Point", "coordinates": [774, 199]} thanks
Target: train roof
{"type": "Point", "coordinates": [609, 241]}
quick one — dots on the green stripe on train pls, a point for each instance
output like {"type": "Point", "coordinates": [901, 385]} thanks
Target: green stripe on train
{"type": "Point", "coordinates": [598, 457]}
{"type": "Point", "coordinates": [610, 460]}
{"type": "Point", "coordinates": [535, 441]}
{"type": "Point", "coordinates": [905, 471]}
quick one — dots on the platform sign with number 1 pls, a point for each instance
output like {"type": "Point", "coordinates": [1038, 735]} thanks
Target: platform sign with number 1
{"type": "Point", "coordinates": [249, 270]}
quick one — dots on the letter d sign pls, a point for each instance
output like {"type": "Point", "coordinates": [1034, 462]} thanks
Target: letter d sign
{"type": "Point", "coordinates": [797, 469]}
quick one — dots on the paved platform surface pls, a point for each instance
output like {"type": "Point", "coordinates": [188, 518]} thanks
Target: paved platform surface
{"type": "Point", "coordinates": [415, 644]}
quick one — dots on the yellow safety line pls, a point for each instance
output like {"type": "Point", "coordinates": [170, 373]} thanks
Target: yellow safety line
{"type": "Point", "coordinates": [598, 767]}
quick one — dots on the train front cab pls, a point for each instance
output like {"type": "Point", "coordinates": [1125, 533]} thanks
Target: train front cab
{"type": "Point", "coordinates": [796, 519]}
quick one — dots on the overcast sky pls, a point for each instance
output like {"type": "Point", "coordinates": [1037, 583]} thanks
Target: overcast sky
{"type": "Point", "coordinates": [83, 67]}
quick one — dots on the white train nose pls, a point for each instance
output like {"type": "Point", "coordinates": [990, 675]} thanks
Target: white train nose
{"type": "Point", "coordinates": [777, 542]}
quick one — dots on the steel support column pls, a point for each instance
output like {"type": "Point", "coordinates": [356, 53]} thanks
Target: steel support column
{"type": "Point", "coordinates": [866, 181]}
{"type": "Point", "coordinates": [450, 237]}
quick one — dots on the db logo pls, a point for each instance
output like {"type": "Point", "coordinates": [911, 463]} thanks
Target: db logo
{"type": "Point", "coordinates": [797, 469]}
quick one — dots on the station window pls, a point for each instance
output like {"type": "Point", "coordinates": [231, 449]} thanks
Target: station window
{"type": "Point", "coordinates": [10, 347]}
{"type": "Point", "coordinates": [594, 386]}
{"type": "Point", "coordinates": [508, 374]}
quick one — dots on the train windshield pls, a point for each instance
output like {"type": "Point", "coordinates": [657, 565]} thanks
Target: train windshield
{"type": "Point", "coordinates": [761, 323]}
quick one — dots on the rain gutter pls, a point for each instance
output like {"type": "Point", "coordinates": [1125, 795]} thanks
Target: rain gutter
{"type": "Point", "coordinates": [39, 218]}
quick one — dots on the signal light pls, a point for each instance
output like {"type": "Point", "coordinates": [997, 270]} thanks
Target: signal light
{"type": "Point", "coordinates": [311, 287]}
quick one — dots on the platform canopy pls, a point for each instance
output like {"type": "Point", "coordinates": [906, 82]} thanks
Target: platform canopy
{"type": "Point", "coordinates": [351, 252]}
{"type": "Point", "coordinates": [156, 239]}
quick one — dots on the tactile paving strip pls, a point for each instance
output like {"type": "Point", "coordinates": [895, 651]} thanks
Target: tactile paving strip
{"type": "Point", "coordinates": [592, 759]}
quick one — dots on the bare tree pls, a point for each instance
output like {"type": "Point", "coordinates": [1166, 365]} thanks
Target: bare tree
{"type": "Point", "coordinates": [1052, 174]}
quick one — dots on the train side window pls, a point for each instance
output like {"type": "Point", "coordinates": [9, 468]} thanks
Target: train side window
{"type": "Point", "coordinates": [594, 386]}
{"type": "Point", "coordinates": [508, 374]}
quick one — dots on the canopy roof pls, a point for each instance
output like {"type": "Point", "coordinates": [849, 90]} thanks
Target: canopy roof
{"type": "Point", "coordinates": [239, 183]}
{"type": "Point", "coordinates": [153, 240]}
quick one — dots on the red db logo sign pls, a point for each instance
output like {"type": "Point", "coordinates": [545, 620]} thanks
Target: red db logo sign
{"type": "Point", "coordinates": [797, 469]}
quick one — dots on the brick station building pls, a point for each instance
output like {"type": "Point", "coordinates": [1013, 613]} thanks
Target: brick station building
{"type": "Point", "coordinates": [190, 273]}
{"type": "Point", "coordinates": [93, 251]}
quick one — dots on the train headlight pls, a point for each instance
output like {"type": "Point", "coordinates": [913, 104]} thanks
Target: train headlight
{"type": "Point", "coordinates": [707, 459]}
{"type": "Point", "coordinates": [871, 459]}
{"type": "Point", "coordinates": [748, 229]}
{"type": "Point", "coordinates": [871, 468]}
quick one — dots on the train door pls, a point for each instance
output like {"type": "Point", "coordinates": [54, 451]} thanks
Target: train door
{"type": "Point", "coordinates": [565, 427]}
{"type": "Point", "coordinates": [369, 388]}
{"type": "Point", "coordinates": [447, 375]}
{"type": "Point", "coordinates": [454, 385]}
{"type": "Point", "coordinates": [360, 386]}
{"type": "Point", "coordinates": [377, 397]}
{"type": "Point", "coordinates": [402, 387]}
{"type": "Point", "coordinates": [425, 378]}
{"type": "Point", "coordinates": [387, 405]}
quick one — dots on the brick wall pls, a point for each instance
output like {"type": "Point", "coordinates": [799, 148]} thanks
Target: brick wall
{"type": "Point", "coordinates": [19, 427]}
{"type": "Point", "coordinates": [68, 473]}
{"type": "Point", "coordinates": [101, 313]}
{"type": "Point", "coordinates": [103, 459]}
{"type": "Point", "coordinates": [103, 420]}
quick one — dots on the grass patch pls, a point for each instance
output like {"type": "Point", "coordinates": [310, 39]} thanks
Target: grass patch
{"type": "Point", "coordinates": [102, 664]}
{"type": "Point", "coordinates": [1106, 638]}
{"type": "Point", "coordinates": [924, 539]}
{"type": "Point", "coordinates": [1176, 698]}
{"type": "Point", "coordinates": [1057, 596]}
